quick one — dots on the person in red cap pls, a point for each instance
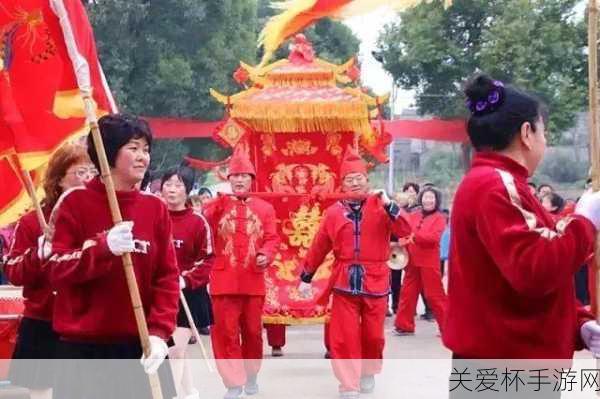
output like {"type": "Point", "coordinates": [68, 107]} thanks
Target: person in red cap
{"type": "Point", "coordinates": [245, 243]}
{"type": "Point", "coordinates": [358, 230]}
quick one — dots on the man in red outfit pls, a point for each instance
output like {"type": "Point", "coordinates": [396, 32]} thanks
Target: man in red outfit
{"type": "Point", "coordinates": [358, 231]}
{"type": "Point", "coordinates": [246, 241]}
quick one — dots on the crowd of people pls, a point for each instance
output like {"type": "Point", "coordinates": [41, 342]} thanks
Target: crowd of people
{"type": "Point", "coordinates": [511, 251]}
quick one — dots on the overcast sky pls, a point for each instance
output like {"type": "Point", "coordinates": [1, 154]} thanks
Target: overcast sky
{"type": "Point", "coordinates": [366, 28]}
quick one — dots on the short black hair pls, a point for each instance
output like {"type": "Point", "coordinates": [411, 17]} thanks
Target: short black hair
{"type": "Point", "coordinates": [545, 185]}
{"type": "Point", "coordinates": [436, 193]}
{"type": "Point", "coordinates": [410, 184]}
{"type": "Point", "coordinates": [532, 184]}
{"type": "Point", "coordinates": [116, 131]}
{"type": "Point", "coordinates": [498, 112]}
{"type": "Point", "coordinates": [205, 190]}
{"type": "Point", "coordinates": [556, 201]}
{"type": "Point", "coordinates": [185, 175]}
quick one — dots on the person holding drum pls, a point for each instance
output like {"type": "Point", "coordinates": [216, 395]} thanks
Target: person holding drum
{"type": "Point", "coordinates": [423, 271]}
{"type": "Point", "coordinates": [68, 168]}
{"type": "Point", "coordinates": [358, 231]}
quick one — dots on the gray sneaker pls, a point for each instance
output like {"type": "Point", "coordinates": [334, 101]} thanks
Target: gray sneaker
{"type": "Point", "coordinates": [251, 387]}
{"type": "Point", "coordinates": [349, 395]}
{"type": "Point", "coordinates": [367, 384]}
{"type": "Point", "coordinates": [233, 393]}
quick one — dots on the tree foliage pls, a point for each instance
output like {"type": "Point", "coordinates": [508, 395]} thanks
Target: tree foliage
{"type": "Point", "coordinates": [538, 45]}
{"type": "Point", "coordinates": [162, 57]}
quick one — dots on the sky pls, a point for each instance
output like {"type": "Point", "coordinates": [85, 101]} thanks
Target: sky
{"type": "Point", "coordinates": [366, 28]}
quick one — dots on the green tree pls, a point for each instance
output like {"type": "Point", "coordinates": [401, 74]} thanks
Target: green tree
{"type": "Point", "coordinates": [536, 44]}
{"type": "Point", "coordinates": [162, 57]}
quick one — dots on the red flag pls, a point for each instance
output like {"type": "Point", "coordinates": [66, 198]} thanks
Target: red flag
{"type": "Point", "coordinates": [47, 57]}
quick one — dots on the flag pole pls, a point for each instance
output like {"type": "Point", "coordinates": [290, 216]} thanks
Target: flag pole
{"type": "Point", "coordinates": [25, 178]}
{"type": "Point", "coordinates": [134, 292]}
{"type": "Point", "coordinates": [593, 120]}
{"type": "Point", "coordinates": [195, 332]}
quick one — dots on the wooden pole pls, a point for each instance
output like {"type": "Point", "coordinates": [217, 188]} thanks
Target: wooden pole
{"type": "Point", "coordinates": [136, 301]}
{"type": "Point", "coordinates": [195, 332]}
{"type": "Point", "coordinates": [30, 188]}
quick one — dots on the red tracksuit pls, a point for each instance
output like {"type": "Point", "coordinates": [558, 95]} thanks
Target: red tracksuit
{"type": "Point", "coordinates": [192, 240]}
{"type": "Point", "coordinates": [23, 268]}
{"type": "Point", "coordinates": [93, 303]}
{"type": "Point", "coordinates": [511, 292]}
{"type": "Point", "coordinates": [242, 230]}
{"type": "Point", "coordinates": [423, 271]}
{"type": "Point", "coordinates": [359, 293]}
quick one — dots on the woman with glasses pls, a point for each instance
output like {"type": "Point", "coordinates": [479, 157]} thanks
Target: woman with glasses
{"type": "Point", "coordinates": [69, 167]}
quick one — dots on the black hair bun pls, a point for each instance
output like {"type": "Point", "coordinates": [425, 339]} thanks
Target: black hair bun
{"type": "Point", "coordinates": [484, 94]}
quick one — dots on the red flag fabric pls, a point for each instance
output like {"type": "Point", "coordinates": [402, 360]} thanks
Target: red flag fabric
{"type": "Point", "coordinates": [39, 75]}
{"type": "Point", "coordinates": [47, 58]}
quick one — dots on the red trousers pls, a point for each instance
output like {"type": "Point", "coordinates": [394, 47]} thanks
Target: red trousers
{"type": "Point", "coordinates": [421, 279]}
{"type": "Point", "coordinates": [356, 338]}
{"type": "Point", "coordinates": [236, 336]}
{"type": "Point", "coordinates": [275, 335]}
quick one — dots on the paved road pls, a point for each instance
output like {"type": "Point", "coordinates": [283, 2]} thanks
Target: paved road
{"type": "Point", "coordinates": [415, 367]}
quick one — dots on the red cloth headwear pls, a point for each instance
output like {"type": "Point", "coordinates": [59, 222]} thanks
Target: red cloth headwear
{"type": "Point", "coordinates": [352, 163]}
{"type": "Point", "coordinates": [240, 163]}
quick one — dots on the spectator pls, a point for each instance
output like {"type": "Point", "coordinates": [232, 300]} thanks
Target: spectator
{"type": "Point", "coordinates": [544, 189]}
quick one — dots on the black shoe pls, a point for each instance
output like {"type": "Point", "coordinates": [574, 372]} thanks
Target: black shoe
{"type": "Point", "coordinates": [204, 331]}
{"type": "Point", "coordinates": [327, 355]}
{"type": "Point", "coordinates": [427, 317]}
{"type": "Point", "coordinates": [402, 333]}
{"type": "Point", "coordinates": [276, 351]}
{"type": "Point", "coordinates": [192, 340]}
{"type": "Point", "coordinates": [388, 313]}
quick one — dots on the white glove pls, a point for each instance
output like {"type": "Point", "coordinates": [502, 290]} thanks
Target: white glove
{"type": "Point", "coordinates": [589, 207]}
{"type": "Point", "coordinates": [182, 283]}
{"type": "Point", "coordinates": [158, 353]}
{"type": "Point", "coordinates": [44, 248]}
{"type": "Point", "coordinates": [590, 333]}
{"type": "Point", "coordinates": [383, 195]}
{"type": "Point", "coordinates": [305, 289]}
{"type": "Point", "coordinates": [120, 238]}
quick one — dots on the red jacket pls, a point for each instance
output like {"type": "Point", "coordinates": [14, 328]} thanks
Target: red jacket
{"type": "Point", "coordinates": [93, 302]}
{"type": "Point", "coordinates": [337, 233]}
{"type": "Point", "coordinates": [242, 230]}
{"type": "Point", "coordinates": [427, 230]}
{"type": "Point", "coordinates": [23, 268]}
{"type": "Point", "coordinates": [192, 240]}
{"type": "Point", "coordinates": [511, 292]}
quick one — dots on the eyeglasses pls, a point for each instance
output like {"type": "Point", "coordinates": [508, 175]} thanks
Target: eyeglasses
{"type": "Point", "coordinates": [84, 173]}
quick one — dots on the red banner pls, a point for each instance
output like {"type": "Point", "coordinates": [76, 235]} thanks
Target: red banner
{"type": "Point", "coordinates": [304, 163]}
{"type": "Point", "coordinates": [47, 57]}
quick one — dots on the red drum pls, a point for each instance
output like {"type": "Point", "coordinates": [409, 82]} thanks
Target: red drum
{"type": "Point", "coordinates": [11, 310]}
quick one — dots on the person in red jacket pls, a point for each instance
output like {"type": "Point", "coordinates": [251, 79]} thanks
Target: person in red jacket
{"type": "Point", "coordinates": [92, 312]}
{"type": "Point", "coordinates": [358, 231]}
{"type": "Point", "coordinates": [423, 271]}
{"type": "Point", "coordinates": [68, 167]}
{"type": "Point", "coordinates": [246, 241]}
{"type": "Point", "coordinates": [511, 292]}
{"type": "Point", "coordinates": [192, 240]}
